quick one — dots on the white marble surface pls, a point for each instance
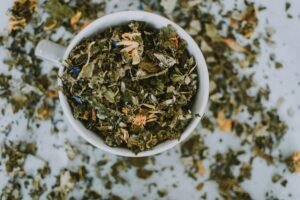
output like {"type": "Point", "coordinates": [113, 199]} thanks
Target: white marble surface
{"type": "Point", "coordinates": [283, 83]}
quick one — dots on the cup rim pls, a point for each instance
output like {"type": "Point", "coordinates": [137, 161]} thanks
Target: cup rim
{"type": "Point", "coordinates": [202, 91]}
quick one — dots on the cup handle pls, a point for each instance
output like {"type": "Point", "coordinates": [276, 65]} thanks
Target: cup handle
{"type": "Point", "coordinates": [50, 51]}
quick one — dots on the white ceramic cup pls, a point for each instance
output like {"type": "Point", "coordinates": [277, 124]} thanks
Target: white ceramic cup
{"type": "Point", "coordinates": [57, 53]}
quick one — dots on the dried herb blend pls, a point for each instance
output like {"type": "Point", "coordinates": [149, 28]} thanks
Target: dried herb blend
{"type": "Point", "coordinates": [231, 42]}
{"type": "Point", "coordinates": [132, 84]}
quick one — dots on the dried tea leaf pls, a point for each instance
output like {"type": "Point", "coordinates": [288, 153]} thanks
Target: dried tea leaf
{"type": "Point", "coordinates": [201, 169]}
{"type": "Point", "coordinates": [75, 19]}
{"type": "Point", "coordinates": [110, 96]}
{"type": "Point", "coordinates": [144, 173]}
{"type": "Point", "coordinates": [224, 123]}
{"type": "Point", "coordinates": [50, 24]}
{"type": "Point", "coordinates": [249, 21]}
{"type": "Point", "coordinates": [256, 151]}
{"type": "Point", "coordinates": [231, 43]}
{"type": "Point", "coordinates": [293, 162]}
{"type": "Point", "coordinates": [44, 112]}
{"type": "Point", "coordinates": [167, 61]}
{"type": "Point", "coordinates": [22, 12]}
{"type": "Point", "coordinates": [199, 186]}
{"type": "Point", "coordinates": [149, 67]}
{"type": "Point", "coordinates": [58, 10]}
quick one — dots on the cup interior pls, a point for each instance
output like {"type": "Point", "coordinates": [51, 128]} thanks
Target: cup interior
{"type": "Point", "coordinates": [156, 21]}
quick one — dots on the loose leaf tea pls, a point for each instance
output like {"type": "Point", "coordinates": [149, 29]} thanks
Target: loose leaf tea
{"type": "Point", "coordinates": [22, 12]}
{"type": "Point", "coordinates": [231, 39]}
{"type": "Point", "coordinates": [132, 84]}
{"type": "Point", "coordinates": [293, 162]}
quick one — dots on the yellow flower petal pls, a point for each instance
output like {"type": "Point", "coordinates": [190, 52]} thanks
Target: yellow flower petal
{"type": "Point", "coordinates": [224, 123]}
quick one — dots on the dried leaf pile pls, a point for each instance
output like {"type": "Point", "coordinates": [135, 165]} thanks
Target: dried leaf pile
{"type": "Point", "coordinates": [133, 85]}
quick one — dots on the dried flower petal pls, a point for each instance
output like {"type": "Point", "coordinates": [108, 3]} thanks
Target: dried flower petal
{"type": "Point", "coordinates": [130, 45]}
{"type": "Point", "coordinates": [75, 19]}
{"type": "Point", "coordinates": [139, 120]}
{"type": "Point", "coordinates": [125, 134]}
{"type": "Point", "coordinates": [224, 123]}
{"type": "Point", "coordinates": [130, 36]}
{"type": "Point", "coordinates": [15, 24]}
{"type": "Point", "coordinates": [136, 59]}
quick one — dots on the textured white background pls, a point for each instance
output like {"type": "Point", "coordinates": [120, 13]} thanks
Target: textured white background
{"type": "Point", "coordinates": [283, 83]}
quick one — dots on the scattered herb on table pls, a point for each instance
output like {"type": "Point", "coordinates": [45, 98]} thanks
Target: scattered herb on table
{"type": "Point", "coordinates": [231, 46]}
{"type": "Point", "coordinates": [293, 162]}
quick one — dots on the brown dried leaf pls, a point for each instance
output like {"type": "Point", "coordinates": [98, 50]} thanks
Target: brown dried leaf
{"type": "Point", "coordinates": [231, 43]}
{"type": "Point", "coordinates": [149, 67]}
{"type": "Point", "coordinates": [256, 151]}
{"type": "Point", "coordinates": [75, 19]}
{"type": "Point", "coordinates": [199, 186]}
{"type": "Point", "coordinates": [94, 117]}
{"type": "Point", "coordinates": [50, 25]}
{"type": "Point", "coordinates": [200, 168]}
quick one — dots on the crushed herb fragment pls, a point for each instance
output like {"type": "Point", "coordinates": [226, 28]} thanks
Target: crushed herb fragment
{"type": "Point", "coordinates": [293, 162]}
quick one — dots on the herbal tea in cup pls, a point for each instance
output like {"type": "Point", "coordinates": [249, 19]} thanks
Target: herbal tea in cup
{"type": "Point", "coordinates": [133, 83]}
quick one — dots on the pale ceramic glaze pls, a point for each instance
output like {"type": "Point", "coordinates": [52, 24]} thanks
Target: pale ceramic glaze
{"type": "Point", "coordinates": [56, 53]}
